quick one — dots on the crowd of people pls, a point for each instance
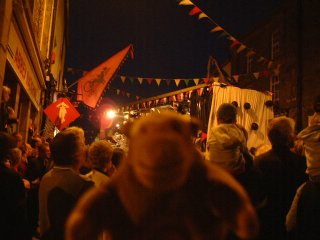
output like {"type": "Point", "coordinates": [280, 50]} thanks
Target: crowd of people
{"type": "Point", "coordinates": [62, 189]}
{"type": "Point", "coordinates": [28, 175]}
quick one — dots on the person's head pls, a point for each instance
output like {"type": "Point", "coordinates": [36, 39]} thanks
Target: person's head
{"type": "Point", "coordinates": [117, 155]}
{"type": "Point", "coordinates": [44, 150]}
{"type": "Point", "coordinates": [7, 142]}
{"type": "Point", "coordinates": [227, 113]}
{"type": "Point", "coordinates": [281, 132]}
{"type": "Point", "coordinates": [36, 142]}
{"type": "Point", "coordinates": [68, 149]}
{"type": "Point", "coordinates": [19, 139]}
{"type": "Point", "coordinates": [15, 157]}
{"type": "Point", "coordinates": [29, 149]}
{"type": "Point", "coordinates": [6, 91]}
{"type": "Point", "coordinates": [76, 131]}
{"type": "Point", "coordinates": [99, 154]}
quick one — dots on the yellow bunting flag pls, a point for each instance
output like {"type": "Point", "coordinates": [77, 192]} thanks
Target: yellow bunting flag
{"type": "Point", "coordinates": [186, 2]}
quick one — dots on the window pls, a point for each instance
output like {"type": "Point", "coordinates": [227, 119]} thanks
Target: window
{"type": "Point", "coordinates": [275, 48]}
{"type": "Point", "coordinates": [249, 64]}
{"type": "Point", "coordinates": [275, 87]}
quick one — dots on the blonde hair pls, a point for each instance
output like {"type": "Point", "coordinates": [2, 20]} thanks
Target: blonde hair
{"type": "Point", "coordinates": [100, 153]}
{"type": "Point", "coordinates": [79, 132]}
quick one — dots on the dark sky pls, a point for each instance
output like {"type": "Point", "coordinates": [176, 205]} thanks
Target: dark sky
{"type": "Point", "coordinates": [168, 43]}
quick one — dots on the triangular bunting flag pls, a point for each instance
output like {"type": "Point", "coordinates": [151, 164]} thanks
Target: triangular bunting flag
{"type": "Point", "coordinates": [216, 79]}
{"type": "Point", "coordinates": [234, 43]}
{"type": "Point", "coordinates": [217, 29]}
{"type": "Point", "coordinates": [205, 80]}
{"type": "Point", "coordinates": [236, 78]}
{"type": "Point", "coordinates": [140, 80]}
{"type": "Point", "coordinates": [256, 75]}
{"type": "Point", "coordinates": [194, 11]}
{"type": "Point", "coordinates": [123, 78]}
{"type": "Point", "coordinates": [202, 15]}
{"type": "Point", "coordinates": [196, 81]}
{"type": "Point", "coordinates": [241, 48]}
{"type": "Point", "coordinates": [149, 80]}
{"type": "Point", "coordinates": [168, 81]}
{"type": "Point", "coordinates": [158, 81]}
{"type": "Point", "coordinates": [200, 91]}
{"type": "Point", "coordinates": [186, 2]}
{"type": "Point", "coordinates": [177, 81]}
{"type": "Point", "coordinates": [186, 81]}
{"type": "Point", "coordinates": [231, 38]}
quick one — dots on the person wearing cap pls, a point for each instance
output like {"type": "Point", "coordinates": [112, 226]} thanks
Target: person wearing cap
{"type": "Point", "coordinates": [227, 141]}
{"type": "Point", "coordinates": [304, 208]}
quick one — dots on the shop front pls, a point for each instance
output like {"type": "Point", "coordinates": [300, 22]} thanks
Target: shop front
{"type": "Point", "coordinates": [25, 84]}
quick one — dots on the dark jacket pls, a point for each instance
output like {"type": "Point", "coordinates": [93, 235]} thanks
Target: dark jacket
{"type": "Point", "coordinates": [281, 174]}
{"type": "Point", "coordinates": [308, 212]}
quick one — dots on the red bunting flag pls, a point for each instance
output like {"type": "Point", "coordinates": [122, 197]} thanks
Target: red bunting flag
{"type": "Point", "coordinates": [91, 86]}
{"type": "Point", "coordinates": [61, 113]}
{"type": "Point", "coordinates": [194, 11]}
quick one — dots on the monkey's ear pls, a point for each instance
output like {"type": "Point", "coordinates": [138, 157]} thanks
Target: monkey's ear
{"type": "Point", "coordinates": [195, 125]}
{"type": "Point", "coordinates": [126, 128]}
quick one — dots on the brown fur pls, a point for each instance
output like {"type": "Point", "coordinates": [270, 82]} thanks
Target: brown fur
{"type": "Point", "coordinates": [164, 190]}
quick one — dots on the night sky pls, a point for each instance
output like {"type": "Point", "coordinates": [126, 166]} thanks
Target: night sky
{"type": "Point", "coordinates": [168, 43]}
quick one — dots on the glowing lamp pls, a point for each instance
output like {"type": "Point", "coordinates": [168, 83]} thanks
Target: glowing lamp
{"type": "Point", "coordinates": [110, 114]}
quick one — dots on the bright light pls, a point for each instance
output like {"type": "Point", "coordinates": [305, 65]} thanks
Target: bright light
{"type": "Point", "coordinates": [111, 114]}
{"type": "Point", "coordinates": [117, 125]}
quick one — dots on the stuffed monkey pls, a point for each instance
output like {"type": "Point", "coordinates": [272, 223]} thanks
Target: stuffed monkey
{"type": "Point", "coordinates": [164, 189]}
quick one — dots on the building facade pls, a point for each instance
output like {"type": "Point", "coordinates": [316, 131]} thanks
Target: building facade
{"type": "Point", "coordinates": [289, 40]}
{"type": "Point", "coordinates": [32, 57]}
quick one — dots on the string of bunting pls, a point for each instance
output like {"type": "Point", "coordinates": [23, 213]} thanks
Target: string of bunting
{"type": "Point", "coordinates": [178, 81]}
{"type": "Point", "coordinates": [235, 43]}
{"type": "Point", "coordinates": [176, 97]}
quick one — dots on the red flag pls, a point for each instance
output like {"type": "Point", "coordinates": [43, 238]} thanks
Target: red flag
{"type": "Point", "coordinates": [61, 113]}
{"type": "Point", "coordinates": [194, 11]}
{"type": "Point", "coordinates": [91, 86]}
